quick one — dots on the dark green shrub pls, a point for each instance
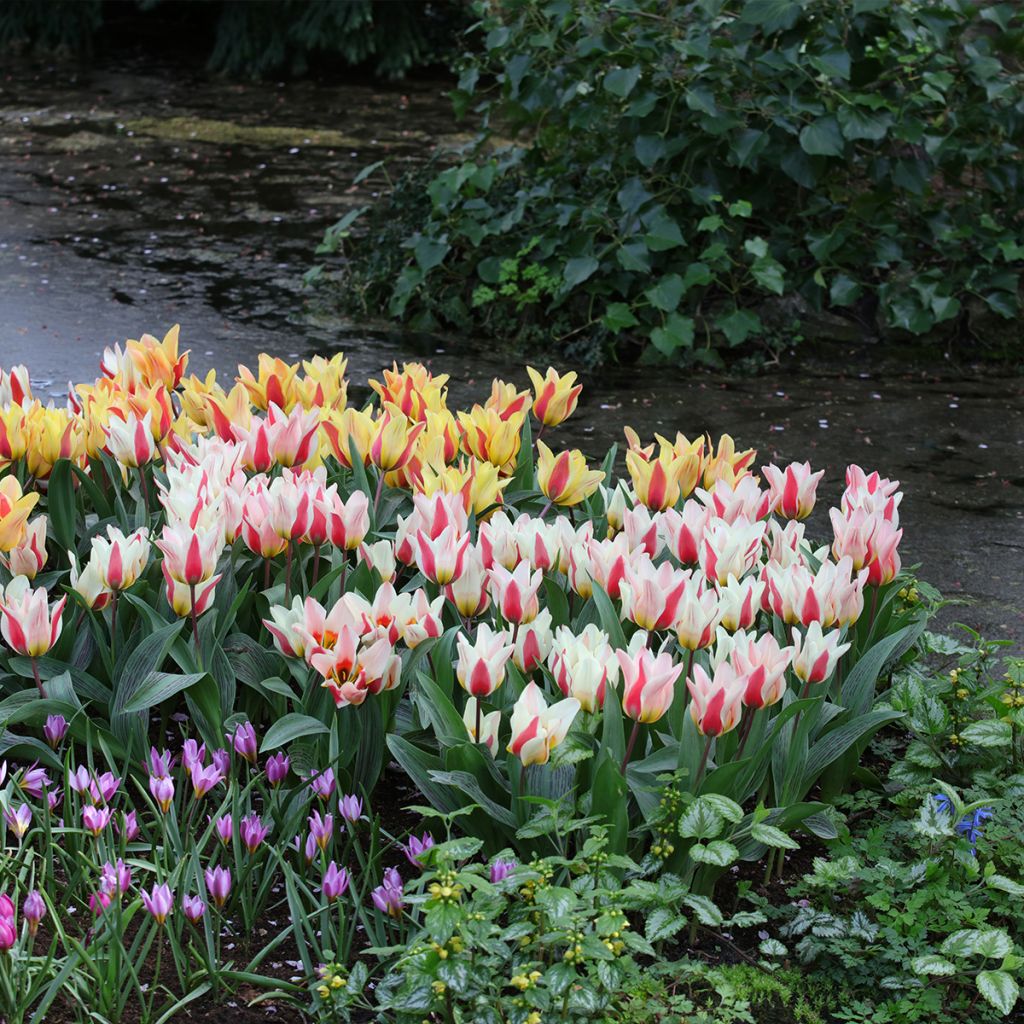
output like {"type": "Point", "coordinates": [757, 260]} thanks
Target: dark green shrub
{"type": "Point", "coordinates": [691, 174]}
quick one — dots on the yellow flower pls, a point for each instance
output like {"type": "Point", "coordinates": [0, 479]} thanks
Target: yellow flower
{"type": "Point", "coordinates": [52, 434]}
{"type": "Point", "coordinates": [158, 362]}
{"type": "Point", "coordinates": [660, 481]}
{"type": "Point", "coordinates": [726, 463]}
{"type": "Point", "coordinates": [555, 396]}
{"type": "Point", "coordinates": [413, 389]}
{"type": "Point", "coordinates": [350, 426]}
{"type": "Point", "coordinates": [15, 507]}
{"type": "Point", "coordinates": [479, 483]}
{"type": "Point", "coordinates": [12, 435]}
{"type": "Point", "coordinates": [489, 438]}
{"type": "Point", "coordinates": [394, 439]}
{"type": "Point", "coordinates": [506, 399]}
{"type": "Point", "coordinates": [324, 386]}
{"type": "Point", "coordinates": [565, 479]}
{"type": "Point", "coordinates": [275, 383]}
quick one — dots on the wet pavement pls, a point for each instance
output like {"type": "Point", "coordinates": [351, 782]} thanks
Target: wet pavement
{"type": "Point", "coordinates": [134, 198]}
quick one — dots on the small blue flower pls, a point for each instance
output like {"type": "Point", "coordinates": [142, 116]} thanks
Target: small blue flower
{"type": "Point", "coordinates": [971, 824]}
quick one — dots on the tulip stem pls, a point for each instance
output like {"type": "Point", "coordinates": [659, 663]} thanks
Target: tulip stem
{"type": "Point", "coordinates": [287, 571]}
{"type": "Point", "coordinates": [195, 625]}
{"type": "Point", "coordinates": [316, 565]}
{"type": "Point", "coordinates": [145, 487]}
{"type": "Point", "coordinates": [874, 608]}
{"type": "Point", "coordinates": [745, 731]}
{"type": "Point", "coordinates": [478, 721]}
{"type": "Point", "coordinates": [376, 497]}
{"type": "Point", "coordinates": [629, 746]}
{"type": "Point", "coordinates": [703, 764]}
{"type": "Point", "coordinates": [113, 625]}
{"type": "Point", "coordinates": [544, 511]}
{"type": "Point", "coordinates": [39, 681]}
{"type": "Point", "coordinates": [266, 573]}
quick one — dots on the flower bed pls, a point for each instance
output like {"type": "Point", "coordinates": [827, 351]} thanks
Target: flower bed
{"type": "Point", "coordinates": [226, 613]}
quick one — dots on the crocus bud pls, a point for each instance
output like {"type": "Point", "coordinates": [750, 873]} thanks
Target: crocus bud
{"type": "Point", "coordinates": [218, 884]}
{"type": "Point", "coordinates": [335, 882]}
{"type": "Point", "coordinates": [54, 730]}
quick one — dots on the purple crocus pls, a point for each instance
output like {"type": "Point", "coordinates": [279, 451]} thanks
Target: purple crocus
{"type": "Point", "coordinates": [115, 878]}
{"type": "Point", "coordinates": [130, 826]}
{"type": "Point", "coordinates": [194, 908]}
{"type": "Point", "coordinates": [55, 729]}
{"type": "Point", "coordinates": [277, 768]}
{"type": "Point", "coordinates": [221, 761]}
{"type": "Point", "coordinates": [351, 808]}
{"type": "Point", "coordinates": [103, 787]}
{"type": "Point", "coordinates": [204, 779]}
{"type": "Point", "coordinates": [225, 828]}
{"type": "Point", "coordinates": [335, 882]}
{"type": "Point", "coordinates": [34, 780]}
{"type": "Point", "coordinates": [33, 910]}
{"type": "Point", "coordinates": [160, 762]}
{"type": "Point", "coordinates": [218, 884]}
{"type": "Point", "coordinates": [321, 829]}
{"type": "Point", "coordinates": [310, 847]}
{"type": "Point", "coordinates": [253, 831]}
{"type": "Point", "coordinates": [416, 847]}
{"type": "Point", "coordinates": [18, 820]}
{"type": "Point", "coordinates": [387, 897]}
{"type": "Point", "coordinates": [159, 902]}
{"type": "Point", "coordinates": [162, 789]}
{"type": "Point", "coordinates": [243, 739]}
{"type": "Point", "coordinates": [95, 819]}
{"type": "Point", "coordinates": [323, 784]}
{"type": "Point", "coordinates": [501, 869]}
{"type": "Point", "coordinates": [192, 753]}
{"type": "Point", "coordinates": [79, 781]}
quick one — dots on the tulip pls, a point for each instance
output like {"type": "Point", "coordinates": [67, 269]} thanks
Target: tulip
{"type": "Point", "coordinates": [280, 439]}
{"type": "Point", "coordinates": [792, 489]}
{"type": "Point", "coordinates": [584, 666]}
{"type": "Point", "coordinates": [441, 559]}
{"type": "Point", "coordinates": [321, 828]}
{"type": "Point", "coordinates": [394, 439]}
{"type": "Point", "coordinates": [883, 557]}
{"type": "Point", "coordinates": [115, 879]}
{"type": "Point", "coordinates": [352, 428]}
{"type": "Point", "coordinates": [55, 729]}
{"type": "Point", "coordinates": [218, 884]}
{"type": "Point", "coordinates": [683, 530]}
{"type": "Point", "coordinates": [540, 542]}
{"type": "Point", "coordinates": [204, 778]}
{"type": "Point", "coordinates": [726, 463]}
{"type": "Point", "coordinates": [192, 753]}
{"type": "Point", "coordinates": [380, 557]}
{"type": "Point", "coordinates": [194, 908]}
{"type": "Point", "coordinates": [323, 784]}
{"type": "Point", "coordinates": [468, 591]}
{"type": "Point", "coordinates": [277, 768]}
{"type": "Point", "coordinates": [334, 883]}
{"type": "Point", "coordinates": [730, 549]}
{"type": "Point", "coordinates": [88, 583]}
{"type": "Point", "coordinates": [98, 902]}
{"type": "Point", "coordinates": [33, 910]}
{"type": "Point", "coordinates": [416, 618]}
{"type": "Point", "coordinates": [717, 702]}
{"type": "Point", "coordinates": [515, 593]}
{"type": "Point", "coordinates": [416, 847]}
{"type": "Point", "coordinates": [533, 642]}
{"type": "Point", "coordinates": [14, 511]}
{"type": "Point", "coordinates": [28, 557]}
{"type": "Point", "coordinates": [651, 596]}
{"type": "Point", "coordinates": [697, 616]}
{"type": "Point", "coordinates": [179, 595]}
{"type": "Point", "coordinates": [387, 897]}
{"type": "Point", "coordinates": [224, 826]}
{"type": "Point", "coordinates": [490, 438]}
{"type": "Point", "coordinates": [641, 529]}
{"type": "Point", "coordinates": [244, 741]}
{"type": "Point", "coordinates": [489, 726]}
{"type": "Point", "coordinates": [162, 790]}
{"type": "Point", "coordinates": [95, 819]}
{"type": "Point", "coordinates": [565, 479]}
{"type": "Point", "coordinates": [648, 681]}
{"type": "Point", "coordinates": [872, 493]}
{"type": "Point", "coordinates": [252, 832]}
{"type": "Point", "coordinates": [816, 653]}
{"type": "Point", "coordinates": [607, 563]}
{"type": "Point", "coordinates": [18, 821]}
{"type": "Point", "coordinates": [129, 826]}
{"type": "Point", "coordinates": [275, 383]}
{"type": "Point", "coordinates": [555, 396]}
{"type": "Point", "coordinates": [351, 808]}
{"type": "Point", "coordinates": [413, 389]}
{"type": "Point", "coordinates": [536, 728]}
{"type": "Point", "coordinates": [481, 666]}
{"type": "Point", "coordinates": [349, 521]}
{"type": "Point", "coordinates": [190, 555]}
{"type": "Point", "coordinates": [130, 440]}
{"type": "Point", "coordinates": [739, 602]}
{"type": "Point", "coordinates": [121, 559]}
{"type": "Point", "coordinates": [763, 664]}
{"type": "Point", "coordinates": [736, 499]}
{"type": "Point", "coordinates": [659, 483]}
{"type": "Point", "coordinates": [28, 623]}
{"type": "Point", "coordinates": [8, 931]}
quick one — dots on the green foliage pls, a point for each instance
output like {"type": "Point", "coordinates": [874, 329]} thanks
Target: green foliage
{"type": "Point", "coordinates": [257, 38]}
{"type": "Point", "coordinates": [681, 174]}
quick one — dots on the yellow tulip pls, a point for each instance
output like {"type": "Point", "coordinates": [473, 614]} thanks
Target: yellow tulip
{"type": "Point", "coordinates": [275, 383]}
{"type": "Point", "coordinates": [726, 463]}
{"type": "Point", "coordinates": [412, 390]}
{"type": "Point", "coordinates": [656, 481]}
{"type": "Point", "coordinates": [565, 478]}
{"type": "Point", "coordinates": [486, 436]}
{"type": "Point", "coordinates": [555, 396]}
{"type": "Point", "coordinates": [479, 483]}
{"type": "Point", "coordinates": [506, 399]}
{"type": "Point", "coordinates": [15, 507]}
{"type": "Point", "coordinates": [194, 394]}
{"type": "Point", "coordinates": [158, 362]}
{"type": "Point", "coordinates": [12, 435]}
{"type": "Point", "coordinates": [351, 425]}
{"type": "Point", "coordinates": [394, 439]}
{"type": "Point", "coordinates": [324, 386]}
{"type": "Point", "coordinates": [52, 434]}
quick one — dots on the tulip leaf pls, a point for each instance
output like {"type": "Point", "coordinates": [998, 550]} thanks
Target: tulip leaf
{"type": "Point", "coordinates": [157, 687]}
{"type": "Point", "coordinates": [610, 800]}
{"type": "Point", "coordinates": [835, 743]}
{"type": "Point", "coordinates": [608, 617]}
{"type": "Point", "coordinates": [420, 767]}
{"type": "Point", "coordinates": [469, 785]}
{"type": "Point", "coordinates": [859, 686]}
{"type": "Point", "coordinates": [292, 726]}
{"type": "Point", "coordinates": [60, 504]}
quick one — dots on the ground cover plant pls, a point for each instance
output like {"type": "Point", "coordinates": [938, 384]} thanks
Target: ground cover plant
{"type": "Point", "coordinates": [234, 619]}
{"type": "Point", "coordinates": [715, 175]}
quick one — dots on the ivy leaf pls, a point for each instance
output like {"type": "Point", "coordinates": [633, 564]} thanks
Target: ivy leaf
{"type": "Point", "coordinates": [822, 137]}
{"type": "Point", "coordinates": [429, 253]}
{"type": "Point", "coordinates": [621, 81]}
{"type": "Point", "coordinates": [844, 290]}
{"type": "Point", "coordinates": [578, 269]}
{"type": "Point", "coordinates": [769, 274]}
{"type": "Point", "coordinates": [649, 149]}
{"type": "Point", "coordinates": [738, 325]}
{"type": "Point", "coordinates": [676, 333]}
{"type": "Point", "coordinates": [857, 123]}
{"type": "Point", "coordinates": [618, 316]}
{"type": "Point", "coordinates": [697, 274]}
{"type": "Point", "coordinates": [665, 295]}
{"type": "Point", "coordinates": [771, 15]}
{"type": "Point", "coordinates": [663, 233]}
{"type": "Point", "coordinates": [999, 989]}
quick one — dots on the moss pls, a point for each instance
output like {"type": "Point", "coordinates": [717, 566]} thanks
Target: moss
{"type": "Point", "coordinates": [201, 129]}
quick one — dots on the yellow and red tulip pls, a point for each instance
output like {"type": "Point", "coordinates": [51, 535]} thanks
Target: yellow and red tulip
{"type": "Point", "coordinates": [555, 396]}
{"type": "Point", "coordinates": [565, 479]}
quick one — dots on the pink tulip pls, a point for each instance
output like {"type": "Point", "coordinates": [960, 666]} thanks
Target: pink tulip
{"type": "Point", "coordinates": [95, 819]}
{"type": "Point", "coordinates": [278, 439]}
{"type": "Point", "coordinates": [218, 884]}
{"type": "Point", "coordinates": [321, 828]}
{"type": "Point", "coordinates": [252, 832]}
{"type": "Point", "coordinates": [204, 778]}
{"type": "Point", "coordinates": [717, 703]}
{"type": "Point", "coordinates": [651, 596]}
{"type": "Point", "coordinates": [648, 681]}
{"type": "Point", "coordinates": [792, 489]}
{"type": "Point", "coordinates": [28, 557]}
{"type": "Point", "coordinates": [533, 642]}
{"type": "Point", "coordinates": [730, 548]}
{"type": "Point", "coordinates": [190, 555]}
{"type": "Point", "coordinates": [697, 616]}
{"type": "Point", "coordinates": [162, 790]}
{"type": "Point", "coordinates": [816, 654]}
{"type": "Point", "coordinates": [481, 666]}
{"type": "Point", "coordinates": [130, 441]}
{"type": "Point", "coordinates": [441, 559]}
{"type": "Point", "coordinates": [536, 728]}
{"type": "Point", "coordinates": [244, 741]}
{"type": "Point", "coordinates": [18, 820]}
{"type": "Point", "coordinates": [323, 784]}
{"type": "Point", "coordinates": [335, 882]}
{"type": "Point", "coordinates": [349, 521]}
{"type": "Point", "coordinates": [515, 593]}
{"type": "Point", "coordinates": [739, 601]}
{"type": "Point", "coordinates": [28, 623]}
{"type": "Point", "coordinates": [277, 768]}
{"type": "Point", "coordinates": [742, 500]}
{"type": "Point", "coordinates": [33, 910]}
{"type": "Point", "coordinates": [763, 664]}
{"type": "Point", "coordinates": [194, 908]}
{"type": "Point", "coordinates": [584, 666]}
{"type": "Point", "coordinates": [684, 530]}
{"type": "Point", "coordinates": [55, 729]}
